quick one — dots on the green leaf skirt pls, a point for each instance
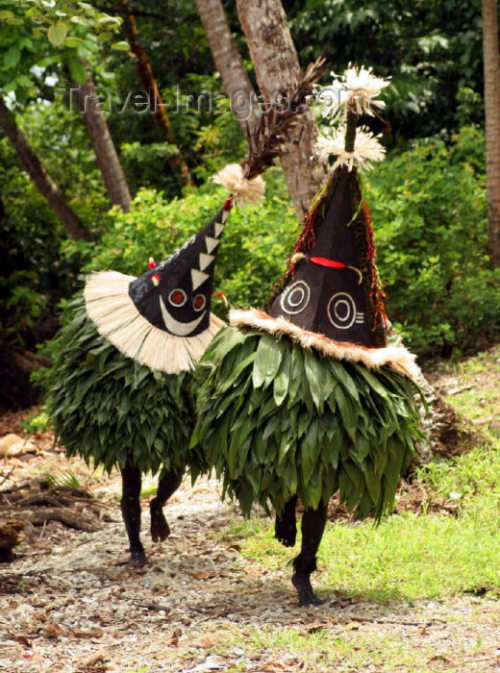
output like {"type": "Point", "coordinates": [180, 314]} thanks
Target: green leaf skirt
{"type": "Point", "coordinates": [275, 420]}
{"type": "Point", "coordinates": [109, 409]}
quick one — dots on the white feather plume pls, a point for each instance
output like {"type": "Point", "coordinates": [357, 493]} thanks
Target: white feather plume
{"type": "Point", "coordinates": [367, 149]}
{"type": "Point", "coordinates": [357, 89]}
{"type": "Point", "coordinates": [242, 189]}
{"type": "Point", "coordinates": [362, 89]}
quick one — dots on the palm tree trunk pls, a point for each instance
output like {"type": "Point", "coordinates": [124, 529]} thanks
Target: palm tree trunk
{"type": "Point", "coordinates": [277, 67]}
{"type": "Point", "coordinates": [492, 111]}
{"type": "Point", "coordinates": [244, 102]}
{"type": "Point", "coordinates": [176, 162]}
{"type": "Point", "coordinates": [44, 183]}
{"type": "Point", "coordinates": [104, 148]}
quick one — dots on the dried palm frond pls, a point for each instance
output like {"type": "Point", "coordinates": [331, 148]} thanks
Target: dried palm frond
{"type": "Point", "coordinates": [273, 130]}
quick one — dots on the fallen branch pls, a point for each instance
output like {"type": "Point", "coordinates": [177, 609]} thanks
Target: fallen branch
{"type": "Point", "coordinates": [62, 514]}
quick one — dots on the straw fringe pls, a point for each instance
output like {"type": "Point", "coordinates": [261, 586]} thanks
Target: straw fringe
{"type": "Point", "coordinates": [111, 309]}
{"type": "Point", "coordinates": [396, 357]}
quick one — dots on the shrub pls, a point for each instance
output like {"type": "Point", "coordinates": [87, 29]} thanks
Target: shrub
{"type": "Point", "coordinates": [429, 212]}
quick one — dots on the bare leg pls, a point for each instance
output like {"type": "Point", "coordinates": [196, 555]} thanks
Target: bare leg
{"type": "Point", "coordinates": [168, 484]}
{"type": "Point", "coordinates": [131, 512]}
{"type": "Point", "coordinates": [313, 525]}
{"type": "Point", "coordinates": [285, 527]}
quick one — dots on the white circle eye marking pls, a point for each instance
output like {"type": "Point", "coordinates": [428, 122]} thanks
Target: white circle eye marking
{"type": "Point", "coordinates": [177, 297]}
{"type": "Point", "coordinates": [199, 302]}
{"type": "Point", "coordinates": [341, 310]}
{"type": "Point", "coordinates": [339, 313]}
{"type": "Point", "coordinates": [296, 297]}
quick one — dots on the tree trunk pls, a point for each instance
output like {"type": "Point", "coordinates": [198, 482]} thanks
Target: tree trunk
{"type": "Point", "coordinates": [492, 110]}
{"type": "Point", "coordinates": [104, 148]}
{"type": "Point", "coordinates": [244, 102]}
{"type": "Point", "coordinates": [157, 107]}
{"type": "Point", "coordinates": [277, 67]}
{"type": "Point", "coordinates": [44, 183]}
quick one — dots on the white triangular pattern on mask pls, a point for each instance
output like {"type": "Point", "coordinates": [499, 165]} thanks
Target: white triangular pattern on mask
{"type": "Point", "coordinates": [211, 243]}
{"type": "Point", "coordinates": [205, 260]}
{"type": "Point", "coordinates": [198, 277]}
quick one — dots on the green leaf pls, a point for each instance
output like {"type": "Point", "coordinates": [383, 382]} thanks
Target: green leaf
{"type": "Point", "coordinates": [267, 361]}
{"type": "Point", "coordinates": [6, 14]}
{"type": "Point", "coordinates": [290, 478]}
{"type": "Point", "coordinates": [12, 56]}
{"type": "Point", "coordinates": [310, 450]}
{"type": "Point", "coordinates": [340, 372]}
{"type": "Point", "coordinates": [372, 381]}
{"type": "Point", "coordinates": [297, 372]}
{"type": "Point", "coordinates": [104, 37]}
{"type": "Point", "coordinates": [282, 380]}
{"type": "Point", "coordinates": [347, 411]}
{"type": "Point", "coordinates": [121, 46]}
{"type": "Point", "coordinates": [78, 71]}
{"type": "Point", "coordinates": [320, 384]}
{"type": "Point", "coordinates": [72, 41]}
{"type": "Point", "coordinates": [10, 86]}
{"type": "Point", "coordinates": [373, 482]}
{"type": "Point", "coordinates": [57, 33]}
{"type": "Point", "coordinates": [26, 83]}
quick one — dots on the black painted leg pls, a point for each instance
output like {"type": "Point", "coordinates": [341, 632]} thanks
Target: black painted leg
{"type": "Point", "coordinates": [131, 512]}
{"type": "Point", "coordinates": [168, 484]}
{"type": "Point", "coordinates": [285, 526]}
{"type": "Point", "coordinates": [313, 525]}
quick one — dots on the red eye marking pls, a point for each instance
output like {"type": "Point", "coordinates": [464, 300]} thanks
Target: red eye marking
{"type": "Point", "coordinates": [177, 297]}
{"type": "Point", "coordinates": [199, 302]}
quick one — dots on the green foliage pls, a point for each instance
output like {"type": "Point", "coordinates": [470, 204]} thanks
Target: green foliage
{"type": "Point", "coordinates": [110, 409]}
{"type": "Point", "coordinates": [275, 420]}
{"type": "Point", "coordinates": [36, 422]}
{"type": "Point", "coordinates": [66, 479]}
{"type": "Point", "coordinates": [429, 214]}
{"type": "Point", "coordinates": [34, 274]}
{"type": "Point", "coordinates": [431, 49]}
{"type": "Point", "coordinates": [36, 37]}
{"type": "Point", "coordinates": [144, 163]}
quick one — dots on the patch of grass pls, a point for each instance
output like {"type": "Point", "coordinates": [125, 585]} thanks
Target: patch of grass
{"type": "Point", "coordinates": [478, 383]}
{"type": "Point", "coordinates": [407, 557]}
{"type": "Point", "coordinates": [36, 422]}
{"type": "Point", "coordinates": [473, 479]}
{"type": "Point", "coordinates": [148, 491]}
{"type": "Point", "coordinates": [66, 479]}
{"type": "Point", "coordinates": [326, 647]}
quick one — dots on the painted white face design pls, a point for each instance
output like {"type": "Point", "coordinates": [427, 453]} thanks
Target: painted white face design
{"type": "Point", "coordinates": [177, 327]}
{"type": "Point", "coordinates": [341, 311]}
{"type": "Point", "coordinates": [295, 298]}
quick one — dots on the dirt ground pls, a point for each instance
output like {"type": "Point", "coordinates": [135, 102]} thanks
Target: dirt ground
{"type": "Point", "coordinates": [69, 603]}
